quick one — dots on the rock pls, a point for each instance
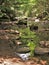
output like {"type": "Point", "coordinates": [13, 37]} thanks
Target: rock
{"type": "Point", "coordinates": [9, 31]}
{"type": "Point", "coordinates": [22, 49]}
{"type": "Point", "coordinates": [8, 36]}
{"type": "Point", "coordinates": [37, 20]}
{"type": "Point", "coordinates": [39, 50]}
{"type": "Point", "coordinates": [47, 44]}
{"type": "Point", "coordinates": [17, 42]}
{"type": "Point", "coordinates": [44, 43]}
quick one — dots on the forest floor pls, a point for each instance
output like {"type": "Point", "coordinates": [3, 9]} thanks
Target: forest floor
{"type": "Point", "coordinates": [7, 57]}
{"type": "Point", "coordinates": [18, 61]}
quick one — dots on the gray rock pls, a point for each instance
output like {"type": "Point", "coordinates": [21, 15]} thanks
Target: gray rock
{"type": "Point", "coordinates": [39, 50]}
{"type": "Point", "coordinates": [22, 50]}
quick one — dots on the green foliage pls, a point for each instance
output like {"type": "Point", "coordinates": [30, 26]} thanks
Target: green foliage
{"type": "Point", "coordinates": [32, 46]}
{"type": "Point", "coordinates": [7, 9]}
{"type": "Point", "coordinates": [30, 38]}
{"type": "Point", "coordinates": [26, 33]}
{"type": "Point", "coordinates": [31, 8]}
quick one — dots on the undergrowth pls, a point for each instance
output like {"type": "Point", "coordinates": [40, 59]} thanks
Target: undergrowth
{"type": "Point", "coordinates": [29, 38]}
